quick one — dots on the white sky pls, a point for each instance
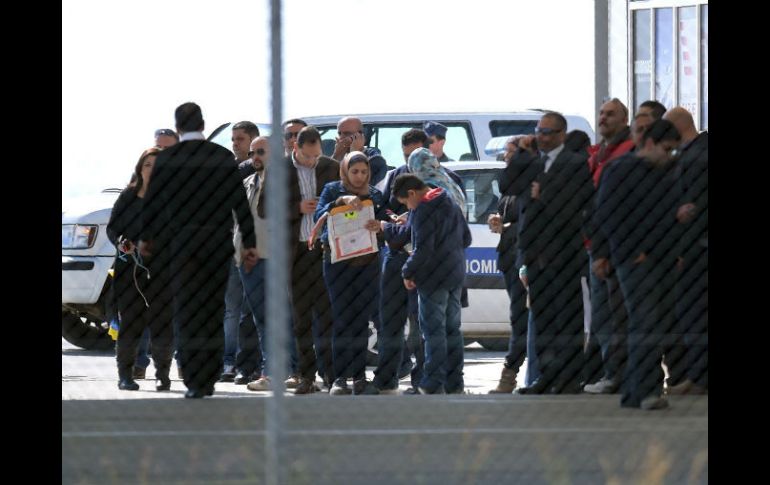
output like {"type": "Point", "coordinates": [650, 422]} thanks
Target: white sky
{"type": "Point", "coordinates": [127, 65]}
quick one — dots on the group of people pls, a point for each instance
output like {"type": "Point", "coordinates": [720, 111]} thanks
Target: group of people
{"type": "Point", "coordinates": [629, 214]}
{"type": "Point", "coordinates": [191, 233]}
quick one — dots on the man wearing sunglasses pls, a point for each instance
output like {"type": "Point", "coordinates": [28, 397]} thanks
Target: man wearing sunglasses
{"type": "Point", "coordinates": [551, 254]}
{"type": "Point", "coordinates": [291, 129]}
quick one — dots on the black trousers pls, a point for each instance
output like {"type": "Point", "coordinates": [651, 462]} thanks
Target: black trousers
{"type": "Point", "coordinates": [310, 301]}
{"type": "Point", "coordinates": [143, 302]}
{"type": "Point", "coordinates": [199, 282]}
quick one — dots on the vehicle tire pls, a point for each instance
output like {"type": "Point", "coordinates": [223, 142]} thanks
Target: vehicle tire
{"type": "Point", "coordinates": [85, 331]}
{"type": "Point", "coordinates": [494, 344]}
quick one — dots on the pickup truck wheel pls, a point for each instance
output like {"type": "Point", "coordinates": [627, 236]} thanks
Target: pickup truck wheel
{"type": "Point", "coordinates": [85, 331]}
{"type": "Point", "coordinates": [494, 344]}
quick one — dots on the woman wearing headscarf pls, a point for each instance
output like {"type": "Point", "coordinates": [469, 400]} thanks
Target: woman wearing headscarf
{"type": "Point", "coordinates": [352, 283]}
{"type": "Point", "coordinates": [425, 165]}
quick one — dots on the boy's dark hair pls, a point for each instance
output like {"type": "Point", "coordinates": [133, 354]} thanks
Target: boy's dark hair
{"type": "Point", "coordinates": [188, 117]}
{"type": "Point", "coordinates": [658, 109]}
{"type": "Point", "coordinates": [308, 134]}
{"type": "Point", "coordinates": [250, 128]}
{"type": "Point", "coordinates": [661, 130]}
{"type": "Point", "coordinates": [413, 136]}
{"type": "Point", "coordinates": [406, 182]}
{"type": "Point", "coordinates": [577, 141]}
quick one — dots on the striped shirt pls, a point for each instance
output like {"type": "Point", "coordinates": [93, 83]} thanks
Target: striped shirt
{"type": "Point", "coordinates": [307, 188]}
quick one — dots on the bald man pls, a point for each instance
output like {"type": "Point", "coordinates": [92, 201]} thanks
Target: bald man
{"type": "Point", "coordinates": [692, 283]}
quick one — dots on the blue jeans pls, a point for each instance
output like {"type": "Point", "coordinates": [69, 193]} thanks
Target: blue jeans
{"type": "Point", "coordinates": [642, 290]}
{"type": "Point", "coordinates": [143, 350]}
{"type": "Point", "coordinates": [439, 313]}
{"type": "Point", "coordinates": [533, 369]}
{"type": "Point", "coordinates": [609, 322]}
{"type": "Point", "coordinates": [254, 297]}
{"type": "Point", "coordinates": [233, 307]}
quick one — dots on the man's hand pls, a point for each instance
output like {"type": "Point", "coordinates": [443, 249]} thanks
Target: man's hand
{"type": "Point", "coordinates": [601, 268]}
{"type": "Point", "coordinates": [495, 222]}
{"type": "Point", "coordinates": [409, 284]}
{"type": "Point", "coordinates": [685, 213]}
{"type": "Point", "coordinates": [249, 258]}
{"type": "Point", "coordinates": [146, 248]}
{"type": "Point", "coordinates": [535, 190]}
{"type": "Point", "coordinates": [641, 258]}
{"type": "Point", "coordinates": [308, 206]}
{"type": "Point", "coordinates": [341, 147]}
{"type": "Point", "coordinates": [374, 225]}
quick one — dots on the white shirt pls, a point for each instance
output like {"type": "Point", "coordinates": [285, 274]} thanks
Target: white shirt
{"type": "Point", "coordinates": [552, 156]}
{"type": "Point", "coordinates": [307, 188]}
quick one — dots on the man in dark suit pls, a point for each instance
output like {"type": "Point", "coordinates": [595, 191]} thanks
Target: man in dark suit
{"type": "Point", "coordinates": [189, 205]}
{"type": "Point", "coordinates": [309, 172]}
{"type": "Point", "coordinates": [692, 270]}
{"type": "Point", "coordinates": [552, 256]}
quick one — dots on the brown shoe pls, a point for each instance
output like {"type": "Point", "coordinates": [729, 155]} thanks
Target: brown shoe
{"type": "Point", "coordinates": [685, 387]}
{"type": "Point", "coordinates": [139, 373]}
{"type": "Point", "coordinates": [507, 382]}
{"type": "Point", "coordinates": [305, 386]}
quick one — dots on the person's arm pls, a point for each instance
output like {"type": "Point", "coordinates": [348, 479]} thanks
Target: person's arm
{"type": "Point", "coordinates": [327, 201]}
{"type": "Point", "coordinates": [117, 224]}
{"type": "Point", "coordinates": [424, 236]}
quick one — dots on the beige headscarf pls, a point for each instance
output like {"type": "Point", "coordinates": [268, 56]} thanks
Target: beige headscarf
{"type": "Point", "coordinates": [351, 159]}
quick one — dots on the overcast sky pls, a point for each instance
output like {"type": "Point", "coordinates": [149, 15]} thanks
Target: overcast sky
{"type": "Point", "coordinates": [127, 65]}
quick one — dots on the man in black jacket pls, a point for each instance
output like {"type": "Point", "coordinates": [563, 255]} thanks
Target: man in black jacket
{"type": "Point", "coordinates": [309, 171]}
{"type": "Point", "coordinates": [692, 270]}
{"type": "Point", "coordinates": [194, 189]}
{"type": "Point", "coordinates": [552, 255]}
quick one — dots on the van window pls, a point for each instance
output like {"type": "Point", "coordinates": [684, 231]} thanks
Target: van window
{"type": "Point", "coordinates": [482, 194]}
{"type": "Point", "coordinates": [387, 138]}
{"type": "Point", "coordinates": [512, 127]}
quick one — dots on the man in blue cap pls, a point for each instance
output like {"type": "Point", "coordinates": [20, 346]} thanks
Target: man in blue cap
{"type": "Point", "coordinates": [436, 138]}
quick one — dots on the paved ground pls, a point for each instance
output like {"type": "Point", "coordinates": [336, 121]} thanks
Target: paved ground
{"type": "Point", "coordinates": [110, 436]}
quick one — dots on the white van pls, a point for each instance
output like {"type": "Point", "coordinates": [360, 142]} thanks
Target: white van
{"type": "Point", "coordinates": [468, 134]}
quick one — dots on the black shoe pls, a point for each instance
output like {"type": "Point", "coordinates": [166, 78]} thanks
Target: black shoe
{"type": "Point", "coordinates": [411, 392]}
{"type": "Point", "coordinates": [242, 379]}
{"type": "Point", "coordinates": [128, 385]}
{"type": "Point", "coordinates": [228, 375]}
{"type": "Point", "coordinates": [537, 388]}
{"type": "Point", "coordinates": [194, 394]}
{"type": "Point", "coordinates": [163, 384]}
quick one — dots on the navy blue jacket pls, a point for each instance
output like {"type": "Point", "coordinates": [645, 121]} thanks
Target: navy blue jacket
{"type": "Point", "coordinates": [440, 235]}
{"type": "Point", "coordinates": [332, 191]}
{"type": "Point", "coordinates": [636, 211]}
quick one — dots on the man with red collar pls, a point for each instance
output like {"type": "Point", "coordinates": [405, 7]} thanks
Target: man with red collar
{"type": "Point", "coordinates": [608, 315]}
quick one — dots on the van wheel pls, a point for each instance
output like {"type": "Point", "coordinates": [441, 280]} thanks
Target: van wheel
{"type": "Point", "coordinates": [494, 344]}
{"type": "Point", "coordinates": [85, 331]}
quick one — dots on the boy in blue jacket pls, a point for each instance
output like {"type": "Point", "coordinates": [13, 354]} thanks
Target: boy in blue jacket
{"type": "Point", "coordinates": [436, 268]}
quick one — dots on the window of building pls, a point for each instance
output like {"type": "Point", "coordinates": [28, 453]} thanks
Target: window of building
{"type": "Point", "coordinates": [669, 42]}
